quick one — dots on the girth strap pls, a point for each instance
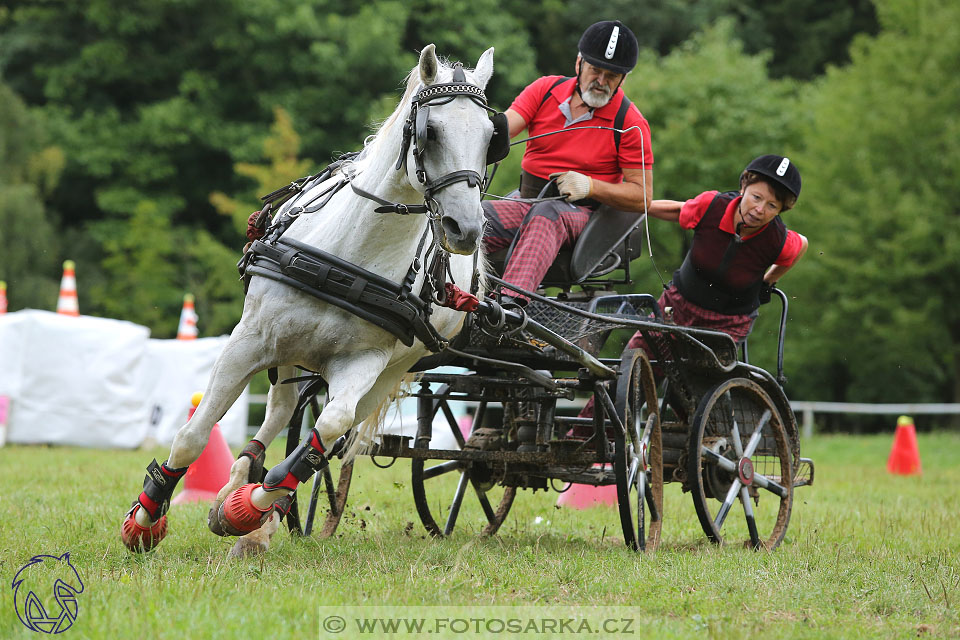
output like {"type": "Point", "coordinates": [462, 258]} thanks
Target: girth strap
{"type": "Point", "coordinates": [348, 286]}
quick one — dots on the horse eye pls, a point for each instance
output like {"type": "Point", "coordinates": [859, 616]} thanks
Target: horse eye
{"type": "Point", "coordinates": [431, 133]}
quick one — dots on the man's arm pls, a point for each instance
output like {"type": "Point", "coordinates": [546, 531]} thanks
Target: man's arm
{"type": "Point", "coordinates": [633, 194]}
{"type": "Point", "coordinates": [516, 122]}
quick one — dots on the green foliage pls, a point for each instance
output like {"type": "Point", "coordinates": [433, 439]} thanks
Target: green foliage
{"type": "Point", "coordinates": [804, 36]}
{"type": "Point", "coordinates": [881, 187]}
{"type": "Point", "coordinates": [280, 148]}
{"type": "Point", "coordinates": [28, 171]}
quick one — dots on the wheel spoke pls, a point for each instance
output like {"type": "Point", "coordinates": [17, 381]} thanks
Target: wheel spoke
{"type": "Point", "coordinates": [751, 518]}
{"type": "Point", "coordinates": [484, 503]}
{"type": "Point", "coordinates": [455, 505]}
{"type": "Point", "coordinates": [440, 469]}
{"type": "Point", "coordinates": [727, 503]}
{"type": "Point", "coordinates": [651, 503]}
{"type": "Point", "coordinates": [770, 485]}
{"type": "Point", "coordinates": [735, 436]}
{"type": "Point", "coordinates": [757, 433]}
{"type": "Point", "coordinates": [724, 463]}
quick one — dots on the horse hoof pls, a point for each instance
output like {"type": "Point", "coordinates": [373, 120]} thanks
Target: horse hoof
{"type": "Point", "coordinates": [238, 515]}
{"type": "Point", "coordinates": [139, 539]}
{"type": "Point", "coordinates": [213, 521]}
{"type": "Point", "coordinates": [245, 547]}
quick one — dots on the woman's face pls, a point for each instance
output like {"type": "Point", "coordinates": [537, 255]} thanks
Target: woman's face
{"type": "Point", "coordinates": [759, 205]}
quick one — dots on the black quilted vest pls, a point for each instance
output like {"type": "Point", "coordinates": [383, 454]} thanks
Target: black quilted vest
{"type": "Point", "coordinates": [722, 272]}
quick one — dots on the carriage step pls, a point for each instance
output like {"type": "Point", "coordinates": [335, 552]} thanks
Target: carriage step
{"type": "Point", "coordinates": [804, 475]}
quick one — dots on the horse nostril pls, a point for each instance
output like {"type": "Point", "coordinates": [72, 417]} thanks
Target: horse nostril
{"type": "Point", "coordinates": [451, 228]}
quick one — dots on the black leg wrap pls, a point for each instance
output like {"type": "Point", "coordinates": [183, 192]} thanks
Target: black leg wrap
{"type": "Point", "coordinates": [257, 454]}
{"type": "Point", "coordinates": [306, 459]}
{"type": "Point", "coordinates": [158, 487]}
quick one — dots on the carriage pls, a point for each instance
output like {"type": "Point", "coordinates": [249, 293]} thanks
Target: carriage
{"type": "Point", "coordinates": [689, 408]}
{"type": "Point", "coordinates": [349, 243]}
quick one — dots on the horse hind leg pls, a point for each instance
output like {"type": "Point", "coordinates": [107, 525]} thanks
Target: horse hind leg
{"type": "Point", "coordinates": [248, 467]}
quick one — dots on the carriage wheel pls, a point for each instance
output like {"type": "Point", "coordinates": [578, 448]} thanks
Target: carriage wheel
{"type": "Point", "coordinates": [335, 491]}
{"type": "Point", "coordinates": [638, 462]}
{"type": "Point", "coordinates": [739, 451]}
{"type": "Point", "coordinates": [445, 487]}
{"type": "Point", "coordinates": [336, 499]}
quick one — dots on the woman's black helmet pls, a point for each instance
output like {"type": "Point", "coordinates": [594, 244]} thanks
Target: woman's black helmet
{"type": "Point", "coordinates": [778, 169]}
{"type": "Point", "coordinates": [609, 45]}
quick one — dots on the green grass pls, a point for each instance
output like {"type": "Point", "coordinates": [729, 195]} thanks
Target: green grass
{"type": "Point", "coordinates": [867, 555]}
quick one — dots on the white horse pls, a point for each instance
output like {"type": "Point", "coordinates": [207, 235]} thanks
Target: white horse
{"type": "Point", "coordinates": [283, 327]}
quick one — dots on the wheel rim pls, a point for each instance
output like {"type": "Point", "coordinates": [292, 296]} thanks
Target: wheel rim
{"type": "Point", "coordinates": [739, 466]}
{"type": "Point", "coordinates": [638, 464]}
{"type": "Point", "coordinates": [448, 489]}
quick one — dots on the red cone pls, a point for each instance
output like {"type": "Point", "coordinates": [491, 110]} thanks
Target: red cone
{"type": "Point", "coordinates": [904, 456]}
{"type": "Point", "coordinates": [584, 496]}
{"type": "Point", "coordinates": [207, 475]}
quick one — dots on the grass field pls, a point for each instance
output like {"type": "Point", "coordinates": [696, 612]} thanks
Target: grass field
{"type": "Point", "coordinates": [867, 555]}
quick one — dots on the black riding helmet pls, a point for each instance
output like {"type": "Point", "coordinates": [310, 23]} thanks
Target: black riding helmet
{"type": "Point", "coordinates": [779, 169]}
{"type": "Point", "coordinates": [609, 45]}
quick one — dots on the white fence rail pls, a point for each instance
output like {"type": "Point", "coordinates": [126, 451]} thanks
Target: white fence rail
{"type": "Point", "coordinates": [806, 409]}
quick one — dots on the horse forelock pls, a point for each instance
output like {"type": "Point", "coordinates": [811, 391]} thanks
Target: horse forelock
{"type": "Point", "coordinates": [412, 85]}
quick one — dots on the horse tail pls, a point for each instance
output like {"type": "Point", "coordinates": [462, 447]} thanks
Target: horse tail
{"type": "Point", "coordinates": [362, 437]}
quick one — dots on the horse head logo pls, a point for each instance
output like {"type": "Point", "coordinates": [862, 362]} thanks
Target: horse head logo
{"type": "Point", "coordinates": [36, 582]}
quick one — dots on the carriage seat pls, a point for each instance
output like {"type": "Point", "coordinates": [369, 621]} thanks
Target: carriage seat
{"type": "Point", "coordinates": [609, 241]}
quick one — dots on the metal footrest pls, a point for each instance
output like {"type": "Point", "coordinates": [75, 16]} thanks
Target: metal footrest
{"type": "Point", "coordinates": [804, 475]}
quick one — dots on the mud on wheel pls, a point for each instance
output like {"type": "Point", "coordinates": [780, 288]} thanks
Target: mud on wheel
{"type": "Point", "coordinates": [455, 490]}
{"type": "Point", "coordinates": [638, 463]}
{"type": "Point", "coordinates": [739, 452]}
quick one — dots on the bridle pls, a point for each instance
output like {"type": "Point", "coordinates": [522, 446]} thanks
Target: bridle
{"type": "Point", "coordinates": [416, 131]}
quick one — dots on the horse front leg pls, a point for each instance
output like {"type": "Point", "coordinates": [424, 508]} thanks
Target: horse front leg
{"type": "Point", "coordinates": [246, 508]}
{"type": "Point", "coordinates": [145, 524]}
{"type": "Point", "coordinates": [248, 467]}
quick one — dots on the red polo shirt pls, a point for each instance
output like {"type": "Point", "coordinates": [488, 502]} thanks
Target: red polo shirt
{"type": "Point", "coordinates": [591, 151]}
{"type": "Point", "coordinates": [692, 211]}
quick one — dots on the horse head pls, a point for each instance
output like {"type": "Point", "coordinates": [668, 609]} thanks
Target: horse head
{"type": "Point", "coordinates": [446, 141]}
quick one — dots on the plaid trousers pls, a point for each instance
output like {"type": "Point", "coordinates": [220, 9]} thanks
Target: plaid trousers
{"type": "Point", "coordinates": [541, 230]}
{"type": "Point", "coordinates": [685, 314]}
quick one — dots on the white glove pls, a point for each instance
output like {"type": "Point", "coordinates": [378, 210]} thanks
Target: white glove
{"type": "Point", "coordinates": [573, 186]}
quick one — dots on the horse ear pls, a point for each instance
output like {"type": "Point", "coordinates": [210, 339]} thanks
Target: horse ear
{"type": "Point", "coordinates": [484, 69]}
{"type": "Point", "coordinates": [429, 65]}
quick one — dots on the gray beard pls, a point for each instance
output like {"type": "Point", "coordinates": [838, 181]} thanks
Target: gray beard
{"type": "Point", "coordinates": [595, 99]}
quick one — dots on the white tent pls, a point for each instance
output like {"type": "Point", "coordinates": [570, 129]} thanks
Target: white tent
{"type": "Point", "coordinates": [97, 382]}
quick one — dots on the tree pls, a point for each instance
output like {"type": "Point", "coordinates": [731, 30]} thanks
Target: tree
{"type": "Point", "coordinates": [804, 36]}
{"type": "Point", "coordinates": [880, 205]}
{"type": "Point", "coordinates": [28, 171]}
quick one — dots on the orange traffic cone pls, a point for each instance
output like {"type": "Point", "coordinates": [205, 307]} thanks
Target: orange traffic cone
{"type": "Point", "coordinates": [904, 456]}
{"type": "Point", "coordinates": [188, 320]}
{"type": "Point", "coordinates": [207, 475]}
{"type": "Point", "coordinates": [67, 302]}
{"type": "Point", "coordinates": [3, 296]}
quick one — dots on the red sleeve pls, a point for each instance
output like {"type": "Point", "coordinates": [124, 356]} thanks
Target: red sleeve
{"type": "Point", "coordinates": [636, 151]}
{"type": "Point", "coordinates": [692, 210]}
{"type": "Point", "coordinates": [791, 249]}
{"type": "Point", "coordinates": [528, 102]}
